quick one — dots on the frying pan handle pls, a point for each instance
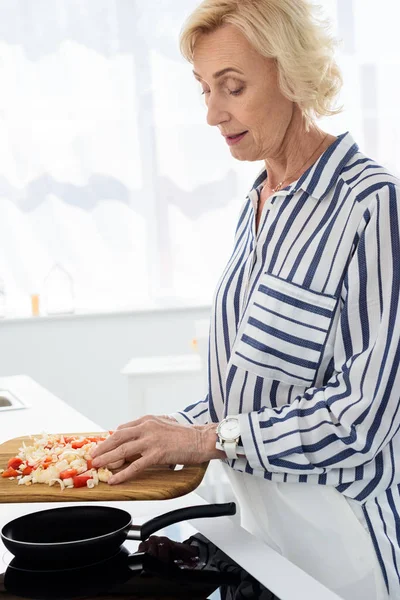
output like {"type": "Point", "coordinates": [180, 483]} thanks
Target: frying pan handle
{"type": "Point", "coordinates": [142, 532]}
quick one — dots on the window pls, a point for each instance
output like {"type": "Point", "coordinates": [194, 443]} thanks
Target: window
{"type": "Point", "coordinates": [107, 166]}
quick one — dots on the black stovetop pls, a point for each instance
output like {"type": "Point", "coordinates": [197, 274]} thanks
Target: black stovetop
{"type": "Point", "coordinates": [169, 566]}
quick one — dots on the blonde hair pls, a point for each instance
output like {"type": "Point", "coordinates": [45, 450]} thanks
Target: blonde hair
{"type": "Point", "coordinates": [289, 31]}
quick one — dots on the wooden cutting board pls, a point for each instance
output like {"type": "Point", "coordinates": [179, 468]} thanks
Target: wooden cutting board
{"type": "Point", "coordinates": [155, 483]}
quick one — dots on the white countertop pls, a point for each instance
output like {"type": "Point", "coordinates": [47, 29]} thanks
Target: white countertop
{"type": "Point", "coordinates": [45, 411]}
{"type": "Point", "coordinates": [49, 413]}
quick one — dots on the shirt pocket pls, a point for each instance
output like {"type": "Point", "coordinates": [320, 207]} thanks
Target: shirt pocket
{"type": "Point", "coordinates": [284, 331]}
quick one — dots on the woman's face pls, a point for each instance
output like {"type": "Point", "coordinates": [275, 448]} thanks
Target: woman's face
{"type": "Point", "coordinates": [242, 94]}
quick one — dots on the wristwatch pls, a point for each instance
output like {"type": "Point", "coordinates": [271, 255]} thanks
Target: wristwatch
{"type": "Point", "coordinates": [228, 432]}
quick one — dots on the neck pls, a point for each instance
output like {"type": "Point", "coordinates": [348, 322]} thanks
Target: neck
{"type": "Point", "coordinates": [296, 152]}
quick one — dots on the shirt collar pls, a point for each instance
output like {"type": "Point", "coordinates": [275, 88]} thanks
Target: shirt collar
{"type": "Point", "coordinates": [318, 180]}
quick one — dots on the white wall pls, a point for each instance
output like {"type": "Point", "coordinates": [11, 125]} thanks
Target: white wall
{"type": "Point", "coordinates": [79, 358]}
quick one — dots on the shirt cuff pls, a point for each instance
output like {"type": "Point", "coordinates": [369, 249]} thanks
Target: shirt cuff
{"type": "Point", "coordinates": [252, 441]}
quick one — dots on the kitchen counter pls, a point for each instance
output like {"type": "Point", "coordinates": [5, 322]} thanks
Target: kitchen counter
{"type": "Point", "coordinates": [46, 412]}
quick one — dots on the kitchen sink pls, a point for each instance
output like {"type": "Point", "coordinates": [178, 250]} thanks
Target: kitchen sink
{"type": "Point", "coordinates": [10, 402]}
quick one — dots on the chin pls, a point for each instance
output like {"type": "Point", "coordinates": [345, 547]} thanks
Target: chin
{"type": "Point", "coordinates": [243, 156]}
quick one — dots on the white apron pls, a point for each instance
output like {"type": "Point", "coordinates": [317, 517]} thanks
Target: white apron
{"type": "Point", "coordinates": [315, 528]}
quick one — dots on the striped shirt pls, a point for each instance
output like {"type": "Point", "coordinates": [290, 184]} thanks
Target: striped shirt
{"type": "Point", "coordinates": [305, 339]}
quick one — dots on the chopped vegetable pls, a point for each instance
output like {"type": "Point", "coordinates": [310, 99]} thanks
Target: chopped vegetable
{"type": "Point", "coordinates": [104, 474]}
{"type": "Point", "coordinates": [81, 480]}
{"type": "Point", "coordinates": [68, 473]}
{"type": "Point", "coordinates": [79, 444]}
{"type": "Point", "coordinates": [14, 463]}
{"type": "Point", "coordinates": [10, 472]}
{"type": "Point", "coordinates": [52, 459]}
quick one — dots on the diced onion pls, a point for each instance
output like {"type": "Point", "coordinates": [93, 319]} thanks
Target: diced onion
{"type": "Point", "coordinates": [104, 474]}
{"type": "Point", "coordinates": [60, 481]}
{"type": "Point", "coordinates": [71, 452]}
{"type": "Point", "coordinates": [44, 448]}
{"type": "Point", "coordinates": [24, 480]}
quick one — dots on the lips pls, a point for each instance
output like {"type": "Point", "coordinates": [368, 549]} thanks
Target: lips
{"type": "Point", "coordinates": [233, 136]}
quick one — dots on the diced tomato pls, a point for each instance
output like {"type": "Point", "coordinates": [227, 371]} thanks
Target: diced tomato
{"type": "Point", "coordinates": [15, 462]}
{"type": "Point", "coordinates": [77, 444]}
{"type": "Point", "coordinates": [68, 473]}
{"type": "Point", "coordinates": [27, 471]}
{"type": "Point", "coordinates": [80, 480]}
{"type": "Point", "coordinates": [46, 462]}
{"type": "Point", "coordinates": [96, 439]}
{"type": "Point", "coordinates": [55, 442]}
{"type": "Point", "coordinates": [10, 472]}
{"type": "Point", "coordinates": [68, 439]}
{"type": "Point", "coordinates": [89, 463]}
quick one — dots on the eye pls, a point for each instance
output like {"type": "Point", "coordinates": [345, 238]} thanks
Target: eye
{"type": "Point", "coordinates": [236, 92]}
{"type": "Point", "coordinates": [205, 92]}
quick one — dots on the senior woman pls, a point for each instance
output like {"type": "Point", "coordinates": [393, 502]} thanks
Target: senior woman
{"type": "Point", "coordinates": [304, 342]}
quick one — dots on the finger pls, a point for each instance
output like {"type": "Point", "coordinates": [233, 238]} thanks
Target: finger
{"type": "Point", "coordinates": [105, 446]}
{"type": "Point", "coordinates": [112, 442]}
{"type": "Point", "coordinates": [132, 470]}
{"type": "Point", "coordinates": [122, 453]}
{"type": "Point", "coordinates": [116, 465]}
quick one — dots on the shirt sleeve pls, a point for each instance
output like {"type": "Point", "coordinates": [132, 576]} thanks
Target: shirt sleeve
{"type": "Point", "coordinates": [195, 414]}
{"type": "Point", "coordinates": [198, 414]}
{"type": "Point", "coordinates": [347, 422]}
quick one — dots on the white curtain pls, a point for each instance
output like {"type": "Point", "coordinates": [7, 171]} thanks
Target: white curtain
{"type": "Point", "coordinates": [107, 166]}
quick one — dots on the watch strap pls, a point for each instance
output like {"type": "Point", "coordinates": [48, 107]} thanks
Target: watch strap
{"type": "Point", "coordinates": [230, 449]}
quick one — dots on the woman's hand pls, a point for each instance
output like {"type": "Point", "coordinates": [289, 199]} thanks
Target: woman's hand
{"type": "Point", "coordinates": [118, 464]}
{"type": "Point", "coordinates": [153, 440]}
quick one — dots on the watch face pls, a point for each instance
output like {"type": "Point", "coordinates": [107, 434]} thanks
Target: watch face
{"type": "Point", "coordinates": [229, 429]}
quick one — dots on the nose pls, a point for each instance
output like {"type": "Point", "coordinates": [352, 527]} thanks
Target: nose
{"type": "Point", "coordinates": [215, 112]}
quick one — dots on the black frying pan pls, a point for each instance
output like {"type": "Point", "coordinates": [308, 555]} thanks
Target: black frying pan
{"type": "Point", "coordinates": [77, 534]}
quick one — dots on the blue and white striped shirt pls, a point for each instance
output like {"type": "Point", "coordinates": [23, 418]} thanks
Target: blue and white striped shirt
{"type": "Point", "coordinates": [305, 339]}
